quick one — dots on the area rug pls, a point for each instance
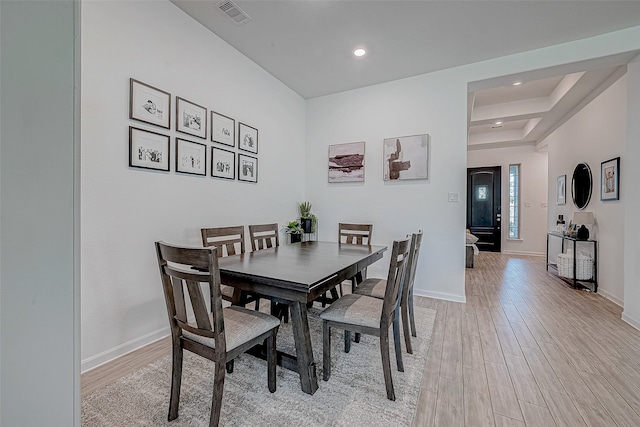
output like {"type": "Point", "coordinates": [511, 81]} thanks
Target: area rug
{"type": "Point", "coordinates": [354, 395]}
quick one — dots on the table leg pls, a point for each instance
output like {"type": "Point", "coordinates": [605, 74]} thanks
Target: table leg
{"type": "Point", "coordinates": [304, 352]}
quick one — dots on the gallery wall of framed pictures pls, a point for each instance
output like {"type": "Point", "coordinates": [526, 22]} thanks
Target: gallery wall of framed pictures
{"type": "Point", "coordinates": [150, 148]}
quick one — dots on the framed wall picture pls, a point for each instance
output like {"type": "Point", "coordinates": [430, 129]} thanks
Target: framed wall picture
{"type": "Point", "coordinates": [610, 179]}
{"type": "Point", "coordinates": [191, 118]}
{"type": "Point", "coordinates": [223, 129]}
{"type": "Point", "coordinates": [247, 138]}
{"type": "Point", "coordinates": [148, 150]}
{"type": "Point", "coordinates": [191, 157]}
{"type": "Point", "coordinates": [247, 168]}
{"type": "Point", "coordinates": [406, 157]}
{"type": "Point", "coordinates": [149, 104]}
{"type": "Point", "coordinates": [223, 163]}
{"type": "Point", "coordinates": [346, 162]}
{"type": "Point", "coordinates": [561, 190]}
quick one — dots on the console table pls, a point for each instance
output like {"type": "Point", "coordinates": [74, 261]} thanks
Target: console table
{"type": "Point", "coordinates": [574, 242]}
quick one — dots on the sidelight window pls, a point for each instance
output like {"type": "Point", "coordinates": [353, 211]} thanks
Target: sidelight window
{"type": "Point", "coordinates": [514, 201]}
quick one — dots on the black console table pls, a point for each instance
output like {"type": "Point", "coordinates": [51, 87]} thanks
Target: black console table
{"type": "Point", "coordinates": [574, 242]}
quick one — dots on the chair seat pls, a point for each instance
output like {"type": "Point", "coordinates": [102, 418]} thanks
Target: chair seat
{"type": "Point", "coordinates": [372, 288]}
{"type": "Point", "coordinates": [227, 292]}
{"type": "Point", "coordinates": [355, 310]}
{"type": "Point", "coordinates": [240, 326]}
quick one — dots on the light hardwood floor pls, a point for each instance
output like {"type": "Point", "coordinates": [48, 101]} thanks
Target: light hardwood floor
{"type": "Point", "coordinates": [525, 349]}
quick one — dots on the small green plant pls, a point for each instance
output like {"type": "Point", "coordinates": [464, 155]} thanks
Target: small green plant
{"type": "Point", "coordinates": [308, 220]}
{"type": "Point", "coordinates": [293, 228]}
{"type": "Point", "coordinates": [305, 210]}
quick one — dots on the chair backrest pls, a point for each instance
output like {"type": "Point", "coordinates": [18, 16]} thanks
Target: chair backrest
{"type": "Point", "coordinates": [182, 270]}
{"type": "Point", "coordinates": [264, 236]}
{"type": "Point", "coordinates": [228, 240]}
{"type": "Point", "coordinates": [355, 234]}
{"type": "Point", "coordinates": [397, 267]}
{"type": "Point", "coordinates": [410, 271]}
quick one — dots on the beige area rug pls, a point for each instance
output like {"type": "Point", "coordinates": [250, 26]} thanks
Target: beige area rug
{"type": "Point", "coordinates": [354, 395]}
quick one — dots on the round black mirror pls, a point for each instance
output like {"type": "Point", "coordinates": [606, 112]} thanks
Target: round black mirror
{"type": "Point", "coordinates": [581, 185]}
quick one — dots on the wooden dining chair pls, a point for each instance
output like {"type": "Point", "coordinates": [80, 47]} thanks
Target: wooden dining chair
{"type": "Point", "coordinates": [369, 316]}
{"type": "Point", "coordinates": [376, 288]}
{"type": "Point", "coordinates": [355, 234]}
{"type": "Point", "coordinates": [264, 236]}
{"type": "Point", "coordinates": [230, 241]}
{"type": "Point", "coordinates": [218, 334]}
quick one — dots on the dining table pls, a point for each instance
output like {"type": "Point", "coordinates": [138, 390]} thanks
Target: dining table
{"type": "Point", "coordinates": [296, 275]}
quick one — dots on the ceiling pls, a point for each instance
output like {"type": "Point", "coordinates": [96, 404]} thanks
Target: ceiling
{"type": "Point", "coordinates": [308, 46]}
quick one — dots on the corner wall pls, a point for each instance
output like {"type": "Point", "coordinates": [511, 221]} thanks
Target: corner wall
{"type": "Point", "coordinates": [595, 134]}
{"type": "Point", "coordinates": [126, 209]}
{"type": "Point", "coordinates": [533, 194]}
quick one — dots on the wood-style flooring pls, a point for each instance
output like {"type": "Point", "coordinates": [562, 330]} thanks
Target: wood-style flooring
{"type": "Point", "coordinates": [525, 350]}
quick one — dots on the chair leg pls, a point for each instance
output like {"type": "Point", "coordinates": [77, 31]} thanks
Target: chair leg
{"type": "Point", "coordinates": [257, 307]}
{"type": "Point", "coordinates": [324, 300]}
{"type": "Point", "coordinates": [354, 284]}
{"type": "Point", "coordinates": [357, 337]}
{"type": "Point", "coordinates": [176, 382]}
{"type": "Point", "coordinates": [386, 363]}
{"type": "Point", "coordinates": [218, 388]}
{"type": "Point", "coordinates": [347, 341]}
{"type": "Point", "coordinates": [230, 367]}
{"type": "Point", "coordinates": [272, 358]}
{"type": "Point", "coordinates": [326, 351]}
{"type": "Point", "coordinates": [411, 316]}
{"type": "Point", "coordinates": [405, 328]}
{"type": "Point", "coordinates": [396, 340]}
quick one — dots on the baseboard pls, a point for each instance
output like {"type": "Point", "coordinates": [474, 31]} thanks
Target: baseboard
{"type": "Point", "coordinates": [630, 320]}
{"type": "Point", "coordinates": [524, 253]}
{"type": "Point", "coordinates": [113, 353]}
{"type": "Point", "coordinates": [611, 298]}
{"type": "Point", "coordinates": [440, 295]}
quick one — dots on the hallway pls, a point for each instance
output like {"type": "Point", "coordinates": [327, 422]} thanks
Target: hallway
{"type": "Point", "coordinates": [526, 349]}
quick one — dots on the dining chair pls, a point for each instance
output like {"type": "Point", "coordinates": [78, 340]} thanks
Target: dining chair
{"type": "Point", "coordinates": [370, 316]}
{"type": "Point", "coordinates": [218, 334]}
{"type": "Point", "coordinates": [376, 288]}
{"type": "Point", "coordinates": [264, 236]}
{"type": "Point", "coordinates": [355, 234]}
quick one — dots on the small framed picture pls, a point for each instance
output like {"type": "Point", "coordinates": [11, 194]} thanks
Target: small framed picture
{"type": "Point", "coordinates": [247, 168]}
{"type": "Point", "coordinates": [223, 129]}
{"type": "Point", "coordinates": [148, 150]}
{"type": "Point", "coordinates": [149, 104]}
{"type": "Point", "coordinates": [247, 138]}
{"type": "Point", "coordinates": [346, 162]}
{"type": "Point", "coordinates": [223, 163]}
{"type": "Point", "coordinates": [191, 118]}
{"type": "Point", "coordinates": [191, 157]}
{"type": "Point", "coordinates": [561, 190]}
{"type": "Point", "coordinates": [610, 179]}
{"type": "Point", "coordinates": [406, 157]}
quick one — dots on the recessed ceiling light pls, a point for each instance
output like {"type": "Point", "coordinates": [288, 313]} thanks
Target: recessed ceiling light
{"type": "Point", "coordinates": [359, 52]}
{"type": "Point", "coordinates": [498, 123]}
{"type": "Point", "coordinates": [517, 83]}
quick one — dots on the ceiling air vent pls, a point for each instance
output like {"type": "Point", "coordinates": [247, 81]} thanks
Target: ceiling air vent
{"type": "Point", "coordinates": [234, 12]}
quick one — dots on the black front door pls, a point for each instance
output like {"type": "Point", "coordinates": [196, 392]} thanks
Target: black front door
{"type": "Point", "coordinates": [483, 206]}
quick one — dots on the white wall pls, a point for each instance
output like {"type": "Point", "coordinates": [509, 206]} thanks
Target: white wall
{"type": "Point", "coordinates": [595, 134]}
{"type": "Point", "coordinates": [126, 209]}
{"type": "Point", "coordinates": [630, 195]}
{"type": "Point", "coordinates": [40, 378]}
{"type": "Point", "coordinates": [533, 194]}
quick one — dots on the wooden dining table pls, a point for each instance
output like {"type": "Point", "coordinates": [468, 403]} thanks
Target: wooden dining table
{"type": "Point", "coordinates": [297, 274]}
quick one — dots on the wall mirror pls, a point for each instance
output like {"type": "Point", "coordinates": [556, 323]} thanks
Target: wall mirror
{"type": "Point", "coordinates": [581, 185]}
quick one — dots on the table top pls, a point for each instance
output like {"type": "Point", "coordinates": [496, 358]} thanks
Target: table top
{"type": "Point", "coordinates": [300, 265]}
{"type": "Point", "coordinates": [566, 237]}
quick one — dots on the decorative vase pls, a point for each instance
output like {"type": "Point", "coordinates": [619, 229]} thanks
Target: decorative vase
{"type": "Point", "coordinates": [306, 224]}
{"type": "Point", "coordinates": [295, 237]}
{"type": "Point", "coordinates": [583, 233]}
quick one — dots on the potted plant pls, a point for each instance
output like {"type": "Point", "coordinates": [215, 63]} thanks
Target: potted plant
{"type": "Point", "coordinates": [295, 231]}
{"type": "Point", "coordinates": [308, 220]}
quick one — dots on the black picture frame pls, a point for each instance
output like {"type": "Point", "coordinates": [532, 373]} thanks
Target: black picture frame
{"type": "Point", "coordinates": [149, 104]}
{"type": "Point", "coordinates": [191, 157]}
{"type": "Point", "coordinates": [148, 150]}
{"type": "Point", "coordinates": [610, 180]}
{"type": "Point", "coordinates": [223, 163]}
{"type": "Point", "coordinates": [223, 129]}
{"type": "Point", "coordinates": [247, 138]}
{"type": "Point", "coordinates": [191, 118]}
{"type": "Point", "coordinates": [247, 168]}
